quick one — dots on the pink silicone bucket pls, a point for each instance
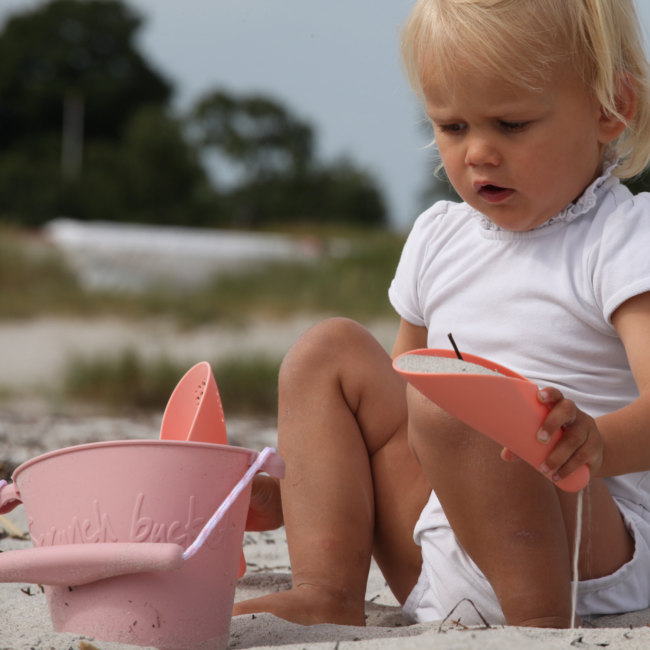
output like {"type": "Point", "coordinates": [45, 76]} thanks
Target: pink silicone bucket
{"type": "Point", "coordinates": [142, 491]}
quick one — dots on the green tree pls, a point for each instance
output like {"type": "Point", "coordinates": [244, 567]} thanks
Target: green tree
{"type": "Point", "coordinates": [64, 46]}
{"type": "Point", "coordinates": [30, 182]}
{"type": "Point", "coordinates": [162, 177]}
{"type": "Point", "coordinates": [137, 163]}
{"type": "Point", "coordinates": [255, 132]}
{"type": "Point", "coordinates": [281, 179]}
{"type": "Point", "coordinates": [152, 175]}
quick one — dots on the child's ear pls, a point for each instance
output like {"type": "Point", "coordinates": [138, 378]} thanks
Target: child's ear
{"type": "Point", "coordinates": [610, 126]}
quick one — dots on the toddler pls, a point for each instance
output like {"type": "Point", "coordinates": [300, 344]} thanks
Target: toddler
{"type": "Point", "coordinates": [539, 108]}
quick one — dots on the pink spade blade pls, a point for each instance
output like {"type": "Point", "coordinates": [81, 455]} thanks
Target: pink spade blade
{"type": "Point", "coordinates": [505, 409]}
{"type": "Point", "coordinates": [194, 410]}
{"type": "Point", "coordinates": [209, 424]}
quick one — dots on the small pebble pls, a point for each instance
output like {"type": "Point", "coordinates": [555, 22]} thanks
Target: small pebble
{"type": "Point", "coordinates": [422, 363]}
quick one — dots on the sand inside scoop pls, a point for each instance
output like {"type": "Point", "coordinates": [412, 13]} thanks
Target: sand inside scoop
{"type": "Point", "coordinates": [423, 363]}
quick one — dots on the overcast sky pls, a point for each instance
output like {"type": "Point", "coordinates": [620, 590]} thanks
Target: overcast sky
{"type": "Point", "coordinates": [333, 63]}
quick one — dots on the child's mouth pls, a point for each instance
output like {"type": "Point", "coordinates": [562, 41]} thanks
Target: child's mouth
{"type": "Point", "coordinates": [494, 193]}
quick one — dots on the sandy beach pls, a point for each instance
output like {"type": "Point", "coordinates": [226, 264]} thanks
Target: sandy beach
{"type": "Point", "coordinates": [25, 622]}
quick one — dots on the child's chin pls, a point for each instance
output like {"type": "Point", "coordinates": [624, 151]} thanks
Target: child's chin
{"type": "Point", "coordinates": [510, 220]}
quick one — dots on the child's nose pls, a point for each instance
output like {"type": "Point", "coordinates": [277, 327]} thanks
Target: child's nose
{"type": "Point", "coordinates": [480, 151]}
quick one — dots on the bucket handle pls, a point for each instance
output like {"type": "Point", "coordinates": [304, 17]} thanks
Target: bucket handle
{"type": "Point", "coordinates": [273, 465]}
{"type": "Point", "coordinates": [9, 497]}
{"type": "Point", "coordinates": [267, 461]}
{"type": "Point", "coordinates": [78, 564]}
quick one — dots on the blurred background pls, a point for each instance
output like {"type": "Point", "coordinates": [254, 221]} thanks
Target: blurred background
{"type": "Point", "coordinates": [197, 181]}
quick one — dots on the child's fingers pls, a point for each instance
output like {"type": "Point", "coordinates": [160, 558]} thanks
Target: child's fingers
{"type": "Point", "coordinates": [574, 436]}
{"type": "Point", "coordinates": [265, 508]}
{"type": "Point", "coordinates": [574, 449]}
{"type": "Point", "coordinates": [549, 396]}
{"type": "Point", "coordinates": [580, 442]}
{"type": "Point", "coordinates": [562, 414]}
{"type": "Point", "coordinates": [577, 460]}
{"type": "Point", "coordinates": [584, 455]}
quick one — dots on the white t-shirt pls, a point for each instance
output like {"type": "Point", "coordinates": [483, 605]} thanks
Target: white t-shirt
{"type": "Point", "coordinates": [539, 302]}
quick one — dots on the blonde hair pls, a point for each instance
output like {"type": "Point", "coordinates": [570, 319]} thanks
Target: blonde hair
{"type": "Point", "coordinates": [524, 42]}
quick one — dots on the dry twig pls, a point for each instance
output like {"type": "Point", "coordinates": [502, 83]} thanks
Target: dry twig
{"type": "Point", "coordinates": [487, 625]}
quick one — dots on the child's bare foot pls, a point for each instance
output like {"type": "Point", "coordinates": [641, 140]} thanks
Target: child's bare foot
{"type": "Point", "coordinates": [307, 605]}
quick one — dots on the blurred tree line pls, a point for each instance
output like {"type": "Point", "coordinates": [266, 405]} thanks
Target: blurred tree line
{"type": "Point", "coordinates": [124, 156]}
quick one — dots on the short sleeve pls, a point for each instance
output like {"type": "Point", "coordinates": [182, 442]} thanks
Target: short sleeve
{"type": "Point", "coordinates": [620, 262]}
{"type": "Point", "coordinates": [404, 293]}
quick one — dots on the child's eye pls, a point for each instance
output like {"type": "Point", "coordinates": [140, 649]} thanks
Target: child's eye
{"type": "Point", "coordinates": [513, 126]}
{"type": "Point", "coordinates": [451, 128]}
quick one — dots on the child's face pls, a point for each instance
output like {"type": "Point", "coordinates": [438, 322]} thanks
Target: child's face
{"type": "Point", "coordinates": [515, 155]}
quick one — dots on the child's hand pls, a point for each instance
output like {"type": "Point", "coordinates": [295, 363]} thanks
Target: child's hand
{"type": "Point", "coordinates": [265, 510]}
{"type": "Point", "coordinates": [580, 443]}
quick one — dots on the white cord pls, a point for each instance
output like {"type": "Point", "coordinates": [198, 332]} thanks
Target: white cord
{"type": "Point", "coordinates": [228, 501]}
{"type": "Point", "coordinates": [576, 555]}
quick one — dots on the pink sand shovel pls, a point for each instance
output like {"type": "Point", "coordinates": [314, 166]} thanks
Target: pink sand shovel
{"type": "Point", "coordinates": [504, 408]}
{"type": "Point", "coordinates": [194, 412]}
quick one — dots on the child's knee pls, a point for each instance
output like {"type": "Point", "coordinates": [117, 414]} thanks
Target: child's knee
{"type": "Point", "coordinates": [324, 346]}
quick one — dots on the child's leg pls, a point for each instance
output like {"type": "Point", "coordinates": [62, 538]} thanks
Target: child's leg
{"type": "Point", "coordinates": [512, 521]}
{"type": "Point", "coordinates": [352, 485]}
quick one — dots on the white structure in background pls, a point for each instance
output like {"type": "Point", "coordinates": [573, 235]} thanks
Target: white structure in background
{"type": "Point", "coordinates": [130, 257]}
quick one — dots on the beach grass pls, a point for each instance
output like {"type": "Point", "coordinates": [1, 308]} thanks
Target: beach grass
{"type": "Point", "coordinates": [355, 286]}
{"type": "Point", "coordinates": [34, 281]}
{"type": "Point", "coordinates": [33, 278]}
{"type": "Point", "coordinates": [128, 382]}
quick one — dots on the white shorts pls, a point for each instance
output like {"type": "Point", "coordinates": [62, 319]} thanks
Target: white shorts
{"type": "Point", "coordinates": [449, 575]}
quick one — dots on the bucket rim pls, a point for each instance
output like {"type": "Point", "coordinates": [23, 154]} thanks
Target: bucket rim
{"type": "Point", "coordinates": [132, 443]}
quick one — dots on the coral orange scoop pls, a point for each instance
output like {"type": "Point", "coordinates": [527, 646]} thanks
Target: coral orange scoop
{"type": "Point", "coordinates": [504, 408]}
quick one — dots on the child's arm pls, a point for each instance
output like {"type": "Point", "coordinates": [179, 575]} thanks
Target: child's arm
{"type": "Point", "coordinates": [410, 337]}
{"type": "Point", "coordinates": [616, 443]}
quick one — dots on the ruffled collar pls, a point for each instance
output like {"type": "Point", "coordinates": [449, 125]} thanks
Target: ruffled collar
{"type": "Point", "coordinates": [585, 203]}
